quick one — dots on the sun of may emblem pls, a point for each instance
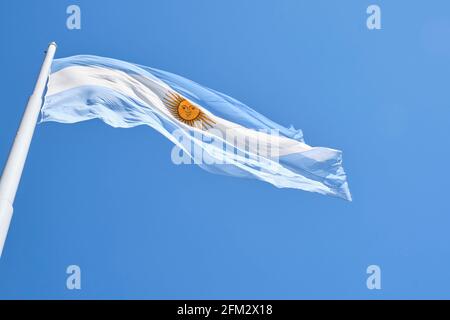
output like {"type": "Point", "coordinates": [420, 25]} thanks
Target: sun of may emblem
{"type": "Point", "coordinates": [186, 112]}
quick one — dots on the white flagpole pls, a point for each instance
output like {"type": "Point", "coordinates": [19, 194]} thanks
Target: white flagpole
{"type": "Point", "coordinates": [10, 179]}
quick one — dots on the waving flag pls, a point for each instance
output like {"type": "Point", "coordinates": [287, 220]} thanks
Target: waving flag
{"type": "Point", "coordinates": [208, 128]}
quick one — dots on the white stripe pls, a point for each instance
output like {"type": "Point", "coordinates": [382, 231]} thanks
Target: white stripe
{"type": "Point", "coordinates": [151, 91]}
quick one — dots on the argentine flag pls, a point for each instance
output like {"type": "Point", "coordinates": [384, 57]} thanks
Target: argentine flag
{"type": "Point", "coordinates": [207, 128]}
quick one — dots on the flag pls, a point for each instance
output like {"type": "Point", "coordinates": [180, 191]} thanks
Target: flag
{"type": "Point", "coordinates": [207, 128]}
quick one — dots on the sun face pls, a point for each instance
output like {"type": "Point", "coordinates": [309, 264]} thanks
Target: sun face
{"type": "Point", "coordinates": [186, 112]}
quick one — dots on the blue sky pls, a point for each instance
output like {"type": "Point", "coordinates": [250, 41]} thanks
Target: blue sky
{"type": "Point", "coordinates": [111, 201]}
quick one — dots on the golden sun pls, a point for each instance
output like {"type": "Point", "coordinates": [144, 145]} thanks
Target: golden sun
{"type": "Point", "coordinates": [186, 112]}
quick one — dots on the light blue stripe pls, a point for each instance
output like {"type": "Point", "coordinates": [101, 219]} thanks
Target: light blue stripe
{"type": "Point", "coordinates": [216, 102]}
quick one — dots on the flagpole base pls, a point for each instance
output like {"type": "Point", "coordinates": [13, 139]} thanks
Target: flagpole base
{"type": "Point", "coordinates": [6, 211]}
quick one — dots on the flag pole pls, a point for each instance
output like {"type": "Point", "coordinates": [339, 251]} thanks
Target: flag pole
{"type": "Point", "coordinates": [12, 172]}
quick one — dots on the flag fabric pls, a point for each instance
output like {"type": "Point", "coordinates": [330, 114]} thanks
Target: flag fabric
{"type": "Point", "coordinates": [208, 128]}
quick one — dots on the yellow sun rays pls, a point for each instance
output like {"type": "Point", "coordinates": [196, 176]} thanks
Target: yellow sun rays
{"type": "Point", "coordinates": [186, 112]}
